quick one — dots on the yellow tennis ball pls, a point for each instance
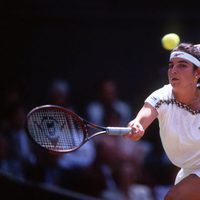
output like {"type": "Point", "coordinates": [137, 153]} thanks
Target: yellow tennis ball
{"type": "Point", "coordinates": [170, 41]}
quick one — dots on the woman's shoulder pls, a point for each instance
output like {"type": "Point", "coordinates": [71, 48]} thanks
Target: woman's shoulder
{"type": "Point", "coordinates": [162, 94]}
{"type": "Point", "coordinates": [165, 89]}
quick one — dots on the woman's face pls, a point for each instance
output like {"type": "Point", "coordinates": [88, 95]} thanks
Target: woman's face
{"type": "Point", "coordinates": [181, 74]}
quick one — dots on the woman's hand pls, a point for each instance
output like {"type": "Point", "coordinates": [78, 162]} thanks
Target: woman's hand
{"type": "Point", "coordinates": [144, 118]}
{"type": "Point", "coordinates": [137, 131]}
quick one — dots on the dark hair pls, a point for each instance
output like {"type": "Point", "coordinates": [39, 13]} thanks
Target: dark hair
{"type": "Point", "coordinates": [189, 48]}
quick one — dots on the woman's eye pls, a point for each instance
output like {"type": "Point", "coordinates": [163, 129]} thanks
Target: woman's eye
{"type": "Point", "coordinates": [182, 65]}
{"type": "Point", "coordinates": [170, 66]}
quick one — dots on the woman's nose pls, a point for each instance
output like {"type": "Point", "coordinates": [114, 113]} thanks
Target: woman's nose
{"type": "Point", "coordinates": [173, 69]}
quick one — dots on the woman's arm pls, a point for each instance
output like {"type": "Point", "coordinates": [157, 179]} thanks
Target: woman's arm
{"type": "Point", "coordinates": [144, 118]}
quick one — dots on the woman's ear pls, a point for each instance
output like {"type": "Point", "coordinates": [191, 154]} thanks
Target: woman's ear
{"type": "Point", "coordinates": [197, 73]}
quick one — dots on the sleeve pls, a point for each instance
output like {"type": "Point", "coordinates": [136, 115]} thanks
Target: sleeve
{"type": "Point", "coordinates": [153, 98]}
{"type": "Point", "coordinates": [159, 96]}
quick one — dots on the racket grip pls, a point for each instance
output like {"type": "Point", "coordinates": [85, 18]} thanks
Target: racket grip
{"type": "Point", "coordinates": [118, 130]}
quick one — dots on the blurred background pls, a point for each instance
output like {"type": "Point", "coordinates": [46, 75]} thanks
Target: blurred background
{"type": "Point", "coordinates": [100, 58]}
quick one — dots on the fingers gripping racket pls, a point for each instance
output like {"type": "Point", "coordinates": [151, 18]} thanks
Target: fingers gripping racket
{"type": "Point", "coordinates": [58, 129]}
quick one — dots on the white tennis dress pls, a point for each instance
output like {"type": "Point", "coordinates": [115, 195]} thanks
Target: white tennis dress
{"type": "Point", "coordinates": [179, 131]}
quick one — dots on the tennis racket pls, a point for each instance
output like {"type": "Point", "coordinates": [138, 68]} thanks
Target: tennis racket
{"type": "Point", "coordinates": [58, 129]}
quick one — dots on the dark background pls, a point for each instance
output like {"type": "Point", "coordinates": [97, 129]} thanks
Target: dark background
{"type": "Point", "coordinates": [84, 41]}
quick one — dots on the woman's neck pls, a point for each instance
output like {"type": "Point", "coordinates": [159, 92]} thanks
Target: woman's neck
{"type": "Point", "coordinates": [190, 97]}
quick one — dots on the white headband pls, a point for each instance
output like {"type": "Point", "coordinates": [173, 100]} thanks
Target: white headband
{"type": "Point", "coordinates": [186, 56]}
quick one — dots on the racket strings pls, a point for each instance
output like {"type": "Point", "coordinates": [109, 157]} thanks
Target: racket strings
{"type": "Point", "coordinates": [55, 130]}
{"type": "Point", "coordinates": [75, 134]}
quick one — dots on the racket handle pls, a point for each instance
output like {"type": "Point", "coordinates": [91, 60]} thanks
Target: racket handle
{"type": "Point", "coordinates": [118, 130]}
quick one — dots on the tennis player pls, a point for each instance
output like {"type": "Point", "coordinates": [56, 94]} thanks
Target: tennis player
{"type": "Point", "coordinates": [177, 107]}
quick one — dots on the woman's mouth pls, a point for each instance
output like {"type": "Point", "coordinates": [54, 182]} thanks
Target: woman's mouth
{"type": "Point", "coordinates": [174, 79]}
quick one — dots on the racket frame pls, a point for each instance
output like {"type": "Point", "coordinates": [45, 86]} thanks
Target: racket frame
{"type": "Point", "coordinates": [84, 125]}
